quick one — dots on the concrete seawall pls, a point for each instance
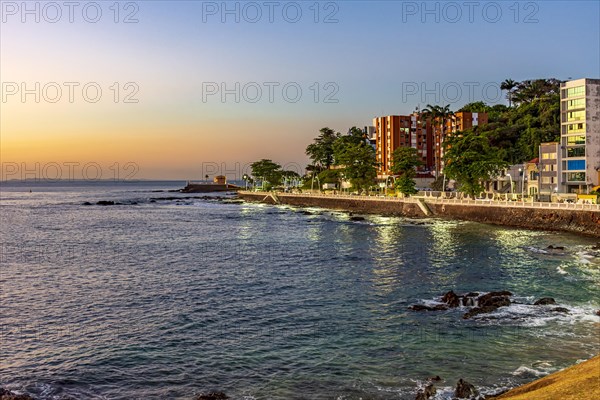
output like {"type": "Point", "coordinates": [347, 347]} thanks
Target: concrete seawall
{"type": "Point", "coordinates": [568, 220]}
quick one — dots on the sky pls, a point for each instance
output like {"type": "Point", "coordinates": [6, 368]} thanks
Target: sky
{"type": "Point", "coordinates": [181, 89]}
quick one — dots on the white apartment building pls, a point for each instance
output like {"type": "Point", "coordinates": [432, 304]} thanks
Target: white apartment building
{"type": "Point", "coordinates": [580, 135]}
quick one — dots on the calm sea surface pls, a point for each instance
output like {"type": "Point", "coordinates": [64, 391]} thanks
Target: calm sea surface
{"type": "Point", "coordinates": [162, 298]}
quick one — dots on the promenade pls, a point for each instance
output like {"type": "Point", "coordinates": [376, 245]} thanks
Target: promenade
{"type": "Point", "coordinates": [568, 217]}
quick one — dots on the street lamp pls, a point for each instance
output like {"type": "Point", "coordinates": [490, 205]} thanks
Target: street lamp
{"type": "Point", "coordinates": [511, 184]}
{"type": "Point", "coordinates": [245, 178]}
{"type": "Point", "coordinates": [522, 178]}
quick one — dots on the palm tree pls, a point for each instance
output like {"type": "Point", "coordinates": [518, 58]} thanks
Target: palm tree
{"type": "Point", "coordinates": [509, 85]}
{"type": "Point", "coordinates": [438, 116]}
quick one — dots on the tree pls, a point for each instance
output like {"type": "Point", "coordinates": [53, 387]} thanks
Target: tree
{"type": "Point", "coordinates": [267, 170]}
{"type": "Point", "coordinates": [470, 160]}
{"type": "Point", "coordinates": [437, 115]}
{"type": "Point", "coordinates": [509, 86]}
{"type": "Point", "coordinates": [356, 159]}
{"type": "Point", "coordinates": [405, 160]}
{"type": "Point", "coordinates": [321, 151]}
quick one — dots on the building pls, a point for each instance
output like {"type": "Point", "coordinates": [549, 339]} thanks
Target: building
{"type": "Point", "coordinates": [424, 135]}
{"type": "Point", "coordinates": [549, 166]}
{"type": "Point", "coordinates": [395, 131]}
{"type": "Point", "coordinates": [530, 178]}
{"type": "Point", "coordinates": [580, 135]}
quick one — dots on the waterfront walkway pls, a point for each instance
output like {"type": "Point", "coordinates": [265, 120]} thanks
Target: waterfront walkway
{"type": "Point", "coordinates": [429, 199]}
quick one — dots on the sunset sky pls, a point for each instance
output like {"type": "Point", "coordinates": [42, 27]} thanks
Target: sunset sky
{"type": "Point", "coordinates": [373, 58]}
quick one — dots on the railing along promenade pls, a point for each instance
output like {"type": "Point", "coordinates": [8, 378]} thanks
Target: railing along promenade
{"type": "Point", "coordinates": [440, 200]}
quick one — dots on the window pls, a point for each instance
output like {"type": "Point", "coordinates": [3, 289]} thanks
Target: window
{"type": "Point", "coordinates": [548, 167]}
{"type": "Point", "coordinates": [576, 177]}
{"type": "Point", "coordinates": [576, 115]}
{"type": "Point", "coordinates": [576, 91]}
{"type": "Point", "coordinates": [548, 156]}
{"type": "Point", "coordinates": [573, 140]}
{"type": "Point", "coordinates": [574, 165]}
{"type": "Point", "coordinates": [577, 103]}
{"type": "Point", "coordinates": [576, 152]}
{"type": "Point", "coordinates": [576, 128]}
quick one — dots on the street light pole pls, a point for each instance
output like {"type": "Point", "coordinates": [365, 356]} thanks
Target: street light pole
{"type": "Point", "coordinates": [511, 185]}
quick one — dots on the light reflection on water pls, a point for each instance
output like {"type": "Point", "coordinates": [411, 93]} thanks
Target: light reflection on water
{"type": "Point", "coordinates": [164, 300]}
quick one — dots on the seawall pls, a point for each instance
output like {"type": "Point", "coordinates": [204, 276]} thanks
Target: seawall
{"type": "Point", "coordinates": [583, 221]}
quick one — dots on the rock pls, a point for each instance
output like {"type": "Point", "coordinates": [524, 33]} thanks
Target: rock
{"type": "Point", "coordinates": [451, 299]}
{"type": "Point", "coordinates": [421, 307]}
{"type": "Point", "coordinates": [8, 395]}
{"type": "Point", "coordinates": [357, 219]}
{"type": "Point", "coordinates": [479, 310]}
{"type": "Point", "coordinates": [464, 390]}
{"type": "Point", "coordinates": [496, 301]}
{"type": "Point", "coordinates": [468, 301]}
{"type": "Point", "coordinates": [434, 378]}
{"type": "Point", "coordinates": [555, 247]}
{"type": "Point", "coordinates": [472, 294]}
{"type": "Point", "coordinates": [87, 203]}
{"type": "Point", "coordinates": [483, 299]}
{"type": "Point", "coordinates": [213, 396]}
{"type": "Point", "coordinates": [560, 309]}
{"type": "Point", "coordinates": [544, 301]}
{"type": "Point", "coordinates": [305, 212]}
{"type": "Point", "coordinates": [598, 313]}
{"type": "Point", "coordinates": [105, 203]}
{"type": "Point", "coordinates": [426, 393]}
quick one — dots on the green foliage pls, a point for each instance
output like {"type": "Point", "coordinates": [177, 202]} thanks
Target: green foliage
{"type": "Point", "coordinates": [405, 160]}
{"type": "Point", "coordinates": [470, 160]}
{"type": "Point", "coordinates": [405, 184]}
{"type": "Point", "coordinates": [268, 170]}
{"type": "Point", "coordinates": [321, 151]}
{"type": "Point", "coordinates": [330, 176]}
{"type": "Point", "coordinates": [356, 159]}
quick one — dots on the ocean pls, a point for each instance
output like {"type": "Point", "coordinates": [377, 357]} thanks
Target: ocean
{"type": "Point", "coordinates": [166, 295]}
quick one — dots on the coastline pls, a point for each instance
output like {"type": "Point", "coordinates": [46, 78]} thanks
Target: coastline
{"type": "Point", "coordinates": [580, 381]}
{"type": "Point", "coordinates": [573, 220]}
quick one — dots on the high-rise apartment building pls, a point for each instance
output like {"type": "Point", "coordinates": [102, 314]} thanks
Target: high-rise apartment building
{"type": "Point", "coordinates": [580, 135]}
{"type": "Point", "coordinates": [426, 136]}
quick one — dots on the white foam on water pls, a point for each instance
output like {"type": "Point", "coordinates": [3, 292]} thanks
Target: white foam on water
{"type": "Point", "coordinates": [561, 271]}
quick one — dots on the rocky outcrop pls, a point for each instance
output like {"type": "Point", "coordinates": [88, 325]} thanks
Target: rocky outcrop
{"type": "Point", "coordinates": [8, 395]}
{"type": "Point", "coordinates": [452, 299]}
{"type": "Point", "coordinates": [426, 393]}
{"type": "Point", "coordinates": [544, 301]}
{"type": "Point", "coordinates": [213, 396]}
{"type": "Point", "coordinates": [465, 390]}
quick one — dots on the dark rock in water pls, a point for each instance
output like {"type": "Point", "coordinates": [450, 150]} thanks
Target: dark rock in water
{"type": "Point", "coordinates": [472, 294]}
{"type": "Point", "coordinates": [213, 396]}
{"type": "Point", "coordinates": [451, 299]}
{"type": "Point", "coordinates": [464, 390]}
{"type": "Point", "coordinates": [434, 378]}
{"type": "Point", "coordinates": [555, 247]}
{"type": "Point", "coordinates": [468, 301]}
{"type": "Point", "coordinates": [421, 307]}
{"type": "Point", "coordinates": [496, 301]}
{"type": "Point", "coordinates": [482, 300]}
{"type": "Point", "coordinates": [357, 219]}
{"type": "Point", "coordinates": [560, 309]}
{"type": "Point", "coordinates": [426, 393]}
{"type": "Point", "coordinates": [545, 301]}
{"type": "Point", "coordinates": [87, 203]}
{"type": "Point", "coordinates": [8, 395]}
{"type": "Point", "coordinates": [598, 313]}
{"type": "Point", "coordinates": [304, 212]}
{"type": "Point", "coordinates": [105, 203]}
{"type": "Point", "coordinates": [479, 310]}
